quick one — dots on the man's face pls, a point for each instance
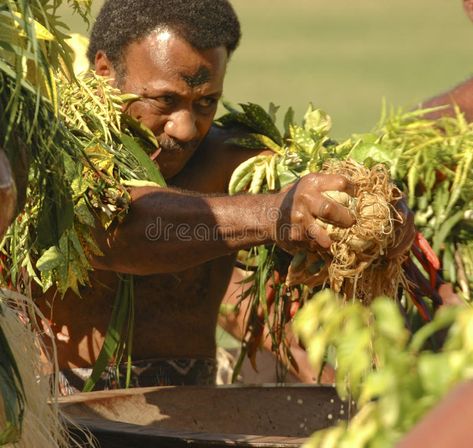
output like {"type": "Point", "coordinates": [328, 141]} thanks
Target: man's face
{"type": "Point", "coordinates": [180, 88]}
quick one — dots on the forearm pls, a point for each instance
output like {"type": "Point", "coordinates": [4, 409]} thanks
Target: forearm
{"type": "Point", "coordinates": [168, 230]}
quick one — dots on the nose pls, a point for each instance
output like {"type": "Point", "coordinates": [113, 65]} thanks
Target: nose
{"type": "Point", "coordinates": [181, 126]}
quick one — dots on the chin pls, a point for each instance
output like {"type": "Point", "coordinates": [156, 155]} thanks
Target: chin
{"type": "Point", "coordinates": [172, 164]}
{"type": "Point", "coordinates": [169, 170]}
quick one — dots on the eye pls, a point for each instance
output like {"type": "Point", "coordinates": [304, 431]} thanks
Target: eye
{"type": "Point", "coordinates": [207, 102]}
{"type": "Point", "coordinates": [161, 102]}
{"type": "Point", "coordinates": [165, 100]}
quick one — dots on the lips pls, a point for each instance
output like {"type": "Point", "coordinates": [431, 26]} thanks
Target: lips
{"type": "Point", "coordinates": [169, 147]}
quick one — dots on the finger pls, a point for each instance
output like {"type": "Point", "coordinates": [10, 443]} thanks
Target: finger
{"type": "Point", "coordinates": [401, 206]}
{"type": "Point", "coordinates": [291, 248]}
{"type": "Point", "coordinates": [411, 228]}
{"type": "Point", "coordinates": [334, 182]}
{"type": "Point", "coordinates": [318, 237]}
{"type": "Point", "coordinates": [404, 236]}
{"type": "Point", "coordinates": [448, 295]}
{"type": "Point", "coordinates": [332, 212]}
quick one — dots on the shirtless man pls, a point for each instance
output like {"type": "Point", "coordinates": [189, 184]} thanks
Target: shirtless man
{"type": "Point", "coordinates": [174, 54]}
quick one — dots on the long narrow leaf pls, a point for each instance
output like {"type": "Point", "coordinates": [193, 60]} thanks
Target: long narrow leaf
{"type": "Point", "coordinates": [114, 333]}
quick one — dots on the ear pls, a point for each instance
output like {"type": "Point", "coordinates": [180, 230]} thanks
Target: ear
{"type": "Point", "coordinates": [468, 7]}
{"type": "Point", "coordinates": [103, 66]}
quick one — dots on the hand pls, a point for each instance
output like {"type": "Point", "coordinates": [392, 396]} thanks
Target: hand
{"type": "Point", "coordinates": [7, 194]}
{"type": "Point", "coordinates": [405, 230]}
{"type": "Point", "coordinates": [303, 205]}
{"type": "Point", "coordinates": [449, 296]}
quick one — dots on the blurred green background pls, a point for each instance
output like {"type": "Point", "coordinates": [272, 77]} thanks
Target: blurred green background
{"type": "Point", "coordinates": [346, 56]}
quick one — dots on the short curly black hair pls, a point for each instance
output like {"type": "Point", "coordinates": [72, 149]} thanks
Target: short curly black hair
{"type": "Point", "coordinates": [204, 24]}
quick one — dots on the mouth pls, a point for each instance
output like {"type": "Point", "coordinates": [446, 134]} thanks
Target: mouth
{"type": "Point", "coordinates": [172, 155]}
{"type": "Point", "coordinates": [169, 147]}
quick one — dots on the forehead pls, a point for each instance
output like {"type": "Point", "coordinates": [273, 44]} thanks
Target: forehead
{"type": "Point", "coordinates": [164, 57]}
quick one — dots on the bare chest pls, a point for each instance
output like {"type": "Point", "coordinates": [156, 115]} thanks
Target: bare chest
{"type": "Point", "coordinates": [178, 293]}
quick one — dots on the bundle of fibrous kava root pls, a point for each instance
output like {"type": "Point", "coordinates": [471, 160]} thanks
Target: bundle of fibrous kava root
{"type": "Point", "coordinates": [358, 265]}
{"type": "Point", "coordinates": [29, 413]}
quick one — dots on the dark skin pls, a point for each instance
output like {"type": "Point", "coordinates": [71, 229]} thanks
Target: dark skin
{"type": "Point", "coordinates": [448, 424]}
{"type": "Point", "coordinates": [461, 95]}
{"type": "Point", "coordinates": [7, 194]}
{"type": "Point", "coordinates": [181, 282]}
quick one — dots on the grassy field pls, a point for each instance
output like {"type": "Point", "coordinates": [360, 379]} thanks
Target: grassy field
{"type": "Point", "coordinates": [345, 57]}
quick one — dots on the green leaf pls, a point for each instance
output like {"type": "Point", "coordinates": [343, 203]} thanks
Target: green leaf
{"type": "Point", "coordinates": [83, 213]}
{"type": "Point", "coordinates": [135, 183]}
{"type": "Point", "coordinates": [317, 121]}
{"type": "Point", "coordinates": [389, 323]}
{"type": "Point", "coordinates": [443, 319]}
{"type": "Point", "coordinates": [142, 131]}
{"type": "Point", "coordinates": [445, 229]}
{"type": "Point", "coordinates": [302, 138]}
{"type": "Point", "coordinates": [288, 122]}
{"type": "Point", "coordinates": [113, 336]}
{"type": "Point", "coordinates": [55, 217]}
{"type": "Point", "coordinates": [50, 259]}
{"type": "Point", "coordinates": [255, 141]}
{"type": "Point", "coordinates": [152, 171]}
{"type": "Point", "coordinates": [286, 176]}
{"type": "Point", "coordinates": [435, 372]}
{"type": "Point", "coordinates": [272, 111]}
{"type": "Point", "coordinates": [262, 122]}
{"type": "Point", "coordinates": [374, 152]}
{"type": "Point", "coordinates": [376, 385]}
{"type": "Point", "coordinates": [249, 142]}
{"type": "Point", "coordinates": [236, 118]}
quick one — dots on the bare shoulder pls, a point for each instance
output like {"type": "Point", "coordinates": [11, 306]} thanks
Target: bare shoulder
{"type": "Point", "coordinates": [212, 165]}
{"type": "Point", "coordinates": [461, 95]}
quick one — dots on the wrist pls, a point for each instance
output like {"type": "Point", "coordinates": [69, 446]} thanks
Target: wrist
{"type": "Point", "coordinates": [250, 220]}
{"type": "Point", "coordinates": [271, 216]}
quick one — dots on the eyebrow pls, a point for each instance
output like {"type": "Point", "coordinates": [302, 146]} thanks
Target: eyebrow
{"type": "Point", "coordinates": [201, 76]}
{"type": "Point", "coordinates": [153, 94]}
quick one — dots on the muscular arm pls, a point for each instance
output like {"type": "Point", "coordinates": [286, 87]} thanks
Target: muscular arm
{"type": "Point", "coordinates": [168, 230]}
